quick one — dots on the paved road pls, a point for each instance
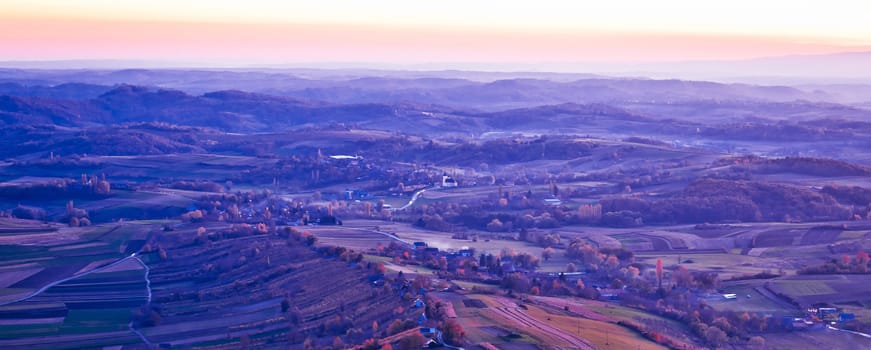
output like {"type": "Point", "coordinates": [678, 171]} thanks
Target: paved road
{"type": "Point", "coordinates": [413, 199]}
{"type": "Point", "coordinates": [385, 234]}
{"type": "Point", "coordinates": [864, 335]}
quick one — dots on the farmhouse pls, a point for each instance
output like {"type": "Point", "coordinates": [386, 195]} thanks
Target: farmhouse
{"type": "Point", "coordinates": [428, 331]}
{"type": "Point", "coordinates": [553, 201]}
{"type": "Point", "coordinates": [567, 276]}
{"type": "Point", "coordinates": [448, 182]}
{"type": "Point", "coordinates": [610, 294]}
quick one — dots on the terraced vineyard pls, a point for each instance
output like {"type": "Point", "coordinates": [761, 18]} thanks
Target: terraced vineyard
{"type": "Point", "coordinates": [231, 289]}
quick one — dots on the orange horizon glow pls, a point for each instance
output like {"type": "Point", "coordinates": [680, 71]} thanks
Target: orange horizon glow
{"type": "Point", "coordinates": [26, 34]}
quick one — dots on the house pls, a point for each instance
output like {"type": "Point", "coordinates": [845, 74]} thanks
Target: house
{"type": "Point", "coordinates": [507, 265]}
{"type": "Point", "coordinates": [553, 201]}
{"type": "Point", "coordinates": [844, 317]}
{"type": "Point", "coordinates": [465, 251]}
{"type": "Point", "coordinates": [448, 182]}
{"type": "Point", "coordinates": [610, 294]}
{"type": "Point", "coordinates": [428, 331]}
{"type": "Point", "coordinates": [345, 157]}
{"type": "Point", "coordinates": [828, 314]}
{"type": "Point", "coordinates": [418, 304]}
{"type": "Point", "coordinates": [325, 220]}
{"type": "Point", "coordinates": [801, 324]}
{"type": "Point", "coordinates": [567, 276]}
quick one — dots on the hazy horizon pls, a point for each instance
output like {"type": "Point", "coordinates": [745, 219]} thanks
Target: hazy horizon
{"type": "Point", "coordinates": [552, 34]}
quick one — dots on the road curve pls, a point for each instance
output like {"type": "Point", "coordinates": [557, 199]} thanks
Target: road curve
{"type": "Point", "coordinates": [413, 199]}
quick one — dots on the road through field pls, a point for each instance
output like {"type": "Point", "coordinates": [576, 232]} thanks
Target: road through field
{"type": "Point", "coordinates": [864, 335]}
{"type": "Point", "coordinates": [385, 234]}
{"type": "Point", "coordinates": [510, 311]}
{"type": "Point", "coordinates": [116, 263]}
{"type": "Point", "coordinates": [52, 284]}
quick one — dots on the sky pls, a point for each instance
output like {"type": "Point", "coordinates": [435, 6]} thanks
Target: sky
{"type": "Point", "coordinates": [410, 32]}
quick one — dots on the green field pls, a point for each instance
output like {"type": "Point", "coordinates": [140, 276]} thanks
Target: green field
{"type": "Point", "coordinates": [756, 302]}
{"type": "Point", "coordinates": [803, 287]}
{"type": "Point", "coordinates": [95, 321]}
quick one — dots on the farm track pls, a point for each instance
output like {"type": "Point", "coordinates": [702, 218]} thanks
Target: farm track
{"type": "Point", "coordinates": [774, 298]}
{"type": "Point", "coordinates": [510, 311]}
{"type": "Point", "coordinates": [148, 300]}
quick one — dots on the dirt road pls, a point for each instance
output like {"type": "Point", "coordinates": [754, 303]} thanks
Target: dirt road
{"type": "Point", "coordinates": [510, 310]}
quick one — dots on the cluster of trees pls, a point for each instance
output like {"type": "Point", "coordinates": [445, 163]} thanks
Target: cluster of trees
{"type": "Point", "coordinates": [198, 186]}
{"type": "Point", "coordinates": [313, 171]}
{"type": "Point", "coordinates": [718, 200]}
{"type": "Point", "coordinates": [521, 283]}
{"type": "Point", "coordinates": [480, 215]}
{"type": "Point", "coordinates": [147, 316]}
{"type": "Point", "coordinates": [75, 216]}
{"type": "Point", "coordinates": [798, 165]}
{"type": "Point", "coordinates": [303, 236]}
{"type": "Point", "coordinates": [716, 328]}
{"type": "Point", "coordinates": [495, 263]}
{"type": "Point", "coordinates": [706, 200]}
{"type": "Point", "coordinates": [667, 291]}
{"type": "Point", "coordinates": [846, 264]}
{"type": "Point", "coordinates": [593, 257]}
{"type": "Point", "coordinates": [436, 310]}
{"type": "Point", "coordinates": [781, 131]}
{"type": "Point", "coordinates": [28, 212]}
{"type": "Point", "coordinates": [670, 292]}
{"type": "Point", "coordinates": [89, 187]}
{"type": "Point", "coordinates": [857, 197]}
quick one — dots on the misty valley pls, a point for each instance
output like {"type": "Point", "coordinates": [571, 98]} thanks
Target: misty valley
{"type": "Point", "coordinates": [366, 209]}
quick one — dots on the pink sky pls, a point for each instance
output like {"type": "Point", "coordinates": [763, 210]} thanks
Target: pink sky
{"type": "Point", "coordinates": [29, 33]}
